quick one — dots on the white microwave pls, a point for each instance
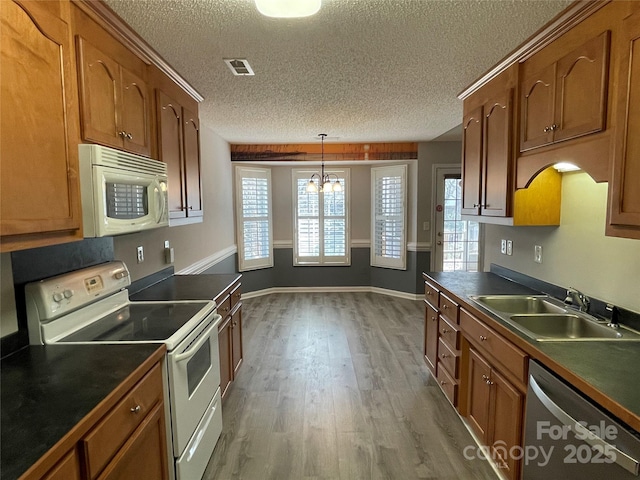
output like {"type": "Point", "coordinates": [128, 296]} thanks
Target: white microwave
{"type": "Point", "coordinates": [121, 192]}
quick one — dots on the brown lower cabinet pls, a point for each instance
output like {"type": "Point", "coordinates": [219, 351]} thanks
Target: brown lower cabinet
{"type": "Point", "coordinates": [125, 440]}
{"type": "Point", "coordinates": [495, 409]}
{"type": "Point", "coordinates": [230, 335]}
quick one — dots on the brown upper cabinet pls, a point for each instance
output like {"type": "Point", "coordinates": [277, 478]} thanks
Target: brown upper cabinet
{"type": "Point", "coordinates": [624, 189]}
{"type": "Point", "coordinates": [568, 98]}
{"type": "Point", "coordinates": [114, 102]}
{"type": "Point", "coordinates": [179, 148]}
{"type": "Point", "coordinates": [488, 161]}
{"type": "Point", "coordinates": [40, 201]}
{"type": "Point", "coordinates": [487, 158]}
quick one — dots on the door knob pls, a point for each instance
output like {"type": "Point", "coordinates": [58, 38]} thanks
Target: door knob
{"type": "Point", "coordinates": [439, 242]}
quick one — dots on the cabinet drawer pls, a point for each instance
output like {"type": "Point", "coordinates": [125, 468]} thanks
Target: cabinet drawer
{"type": "Point", "coordinates": [448, 358]}
{"type": "Point", "coordinates": [449, 333]}
{"type": "Point", "coordinates": [449, 309]}
{"type": "Point", "coordinates": [236, 294]}
{"type": "Point", "coordinates": [511, 358]}
{"type": "Point", "coordinates": [224, 307]}
{"type": "Point", "coordinates": [431, 294]}
{"type": "Point", "coordinates": [101, 444]}
{"type": "Point", "coordinates": [448, 385]}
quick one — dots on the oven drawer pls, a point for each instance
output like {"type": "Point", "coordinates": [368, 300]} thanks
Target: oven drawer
{"type": "Point", "coordinates": [101, 444]}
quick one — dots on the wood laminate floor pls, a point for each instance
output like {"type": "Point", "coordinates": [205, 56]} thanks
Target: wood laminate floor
{"type": "Point", "coordinates": [334, 386]}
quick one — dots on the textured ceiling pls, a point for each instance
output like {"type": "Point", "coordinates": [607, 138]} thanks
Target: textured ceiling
{"type": "Point", "coordinates": [359, 70]}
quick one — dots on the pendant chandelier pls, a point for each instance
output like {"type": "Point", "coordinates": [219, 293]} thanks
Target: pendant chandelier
{"type": "Point", "coordinates": [324, 179]}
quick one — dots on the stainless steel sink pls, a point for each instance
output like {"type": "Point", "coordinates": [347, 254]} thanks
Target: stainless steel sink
{"type": "Point", "coordinates": [546, 319]}
{"type": "Point", "coordinates": [519, 304]}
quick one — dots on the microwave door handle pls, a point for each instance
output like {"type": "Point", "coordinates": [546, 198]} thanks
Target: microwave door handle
{"type": "Point", "coordinates": [204, 337]}
{"type": "Point", "coordinates": [625, 461]}
{"type": "Point", "coordinates": [159, 202]}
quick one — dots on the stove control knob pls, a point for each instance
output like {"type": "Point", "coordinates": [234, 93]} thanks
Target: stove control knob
{"type": "Point", "coordinates": [58, 297]}
{"type": "Point", "coordinates": [120, 274]}
{"type": "Point", "coordinates": [68, 293]}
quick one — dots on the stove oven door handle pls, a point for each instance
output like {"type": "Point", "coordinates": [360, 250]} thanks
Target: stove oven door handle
{"type": "Point", "coordinates": [204, 337]}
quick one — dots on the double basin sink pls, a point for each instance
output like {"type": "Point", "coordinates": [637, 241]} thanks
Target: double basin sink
{"type": "Point", "coordinates": [544, 318]}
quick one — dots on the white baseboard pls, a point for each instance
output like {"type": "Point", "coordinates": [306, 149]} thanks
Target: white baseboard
{"type": "Point", "coordinates": [347, 289]}
{"type": "Point", "coordinates": [208, 262]}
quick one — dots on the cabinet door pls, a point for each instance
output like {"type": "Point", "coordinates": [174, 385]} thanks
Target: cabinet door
{"type": "Point", "coordinates": [431, 337]}
{"type": "Point", "coordinates": [471, 161]}
{"type": "Point", "coordinates": [479, 393]}
{"type": "Point", "coordinates": [497, 159]}
{"type": "Point", "coordinates": [145, 454]}
{"type": "Point", "coordinates": [506, 421]}
{"type": "Point", "coordinates": [224, 348]}
{"type": "Point", "coordinates": [135, 113]}
{"type": "Point", "coordinates": [536, 104]}
{"type": "Point", "coordinates": [581, 89]}
{"type": "Point", "coordinates": [99, 96]}
{"type": "Point", "coordinates": [624, 187]}
{"type": "Point", "coordinates": [236, 330]}
{"type": "Point", "coordinates": [170, 146]}
{"type": "Point", "coordinates": [38, 126]}
{"type": "Point", "coordinates": [192, 163]}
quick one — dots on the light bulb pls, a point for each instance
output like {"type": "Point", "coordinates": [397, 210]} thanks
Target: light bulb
{"type": "Point", "coordinates": [337, 187]}
{"type": "Point", "coordinates": [311, 187]}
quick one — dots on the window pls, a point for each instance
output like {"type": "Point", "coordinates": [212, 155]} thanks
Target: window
{"type": "Point", "coordinates": [461, 238]}
{"type": "Point", "coordinates": [321, 222]}
{"type": "Point", "coordinates": [388, 209]}
{"type": "Point", "coordinates": [253, 213]}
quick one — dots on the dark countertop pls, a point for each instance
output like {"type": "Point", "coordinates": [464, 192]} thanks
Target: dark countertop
{"type": "Point", "coordinates": [606, 371]}
{"type": "Point", "coordinates": [47, 390]}
{"type": "Point", "coordinates": [187, 287]}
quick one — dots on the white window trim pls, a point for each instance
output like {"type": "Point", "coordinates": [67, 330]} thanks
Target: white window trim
{"type": "Point", "coordinates": [254, 264]}
{"type": "Point", "coordinates": [377, 260]}
{"type": "Point", "coordinates": [321, 260]}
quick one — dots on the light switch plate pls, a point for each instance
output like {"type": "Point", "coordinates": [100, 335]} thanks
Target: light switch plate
{"type": "Point", "coordinates": [537, 253]}
{"type": "Point", "coordinates": [503, 246]}
{"type": "Point", "coordinates": [140, 254]}
{"type": "Point", "coordinates": [509, 247]}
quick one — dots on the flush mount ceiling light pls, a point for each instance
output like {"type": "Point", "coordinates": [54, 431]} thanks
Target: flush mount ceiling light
{"type": "Point", "coordinates": [288, 8]}
{"type": "Point", "coordinates": [324, 180]}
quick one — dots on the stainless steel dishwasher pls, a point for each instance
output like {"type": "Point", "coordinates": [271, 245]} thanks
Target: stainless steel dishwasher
{"type": "Point", "coordinates": [568, 437]}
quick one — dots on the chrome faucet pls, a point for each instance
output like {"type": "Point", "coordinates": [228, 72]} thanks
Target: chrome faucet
{"type": "Point", "coordinates": [577, 299]}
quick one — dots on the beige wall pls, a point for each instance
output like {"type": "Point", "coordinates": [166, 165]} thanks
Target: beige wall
{"type": "Point", "coordinates": [577, 253]}
{"type": "Point", "coordinates": [196, 242]}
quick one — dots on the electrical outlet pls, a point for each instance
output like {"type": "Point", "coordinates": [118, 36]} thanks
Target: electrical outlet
{"type": "Point", "coordinates": [509, 247]}
{"type": "Point", "coordinates": [503, 246]}
{"type": "Point", "coordinates": [537, 253]}
{"type": "Point", "coordinates": [140, 251]}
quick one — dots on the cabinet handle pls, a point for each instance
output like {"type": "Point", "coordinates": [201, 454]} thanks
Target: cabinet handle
{"type": "Point", "coordinates": [444, 355]}
{"type": "Point", "coordinates": [190, 207]}
{"type": "Point", "coordinates": [129, 136]}
{"type": "Point", "coordinates": [442, 382]}
{"type": "Point", "coordinates": [428, 292]}
{"type": "Point", "coordinates": [122, 134]}
{"type": "Point", "coordinates": [489, 382]}
{"type": "Point", "coordinates": [484, 377]}
{"type": "Point", "coordinates": [482, 338]}
{"type": "Point", "coordinates": [445, 330]}
{"type": "Point", "coordinates": [433, 319]}
{"type": "Point", "coordinates": [445, 306]}
{"type": "Point", "coordinates": [234, 324]}
{"type": "Point", "coordinates": [553, 127]}
{"type": "Point", "coordinates": [547, 129]}
{"type": "Point", "coordinates": [136, 409]}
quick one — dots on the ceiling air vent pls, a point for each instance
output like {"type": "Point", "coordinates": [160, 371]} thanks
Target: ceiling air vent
{"type": "Point", "coordinates": [239, 66]}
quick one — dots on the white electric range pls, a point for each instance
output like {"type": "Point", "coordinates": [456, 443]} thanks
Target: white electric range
{"type": "Point", "coordinates": [92, 306]}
